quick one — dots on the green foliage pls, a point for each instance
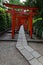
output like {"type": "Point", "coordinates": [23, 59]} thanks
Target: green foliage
{"type": "Point", "coordinates": [38, 25]}
{"type": "Point", "coordinates": [27, 3]}
{"type": "Point", "coordinates": [15, 2]}
{"type": "Point", "coordinates": [36, 3]}
{"type": "Point", "coordinates": [4, 20]}
{"type": "Point", "coordinates": [38, 22]}
{"type": "Point", "coordinates": [8, 19]}
{"type": "Point", "coordinates": [34, 21]}
{"type": "Point", "coordinates": [0, 0]}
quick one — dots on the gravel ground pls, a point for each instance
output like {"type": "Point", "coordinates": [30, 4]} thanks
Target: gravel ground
{"type": "Point", "coordinates": [9, 55]}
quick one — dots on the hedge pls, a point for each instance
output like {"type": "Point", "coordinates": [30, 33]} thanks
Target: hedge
{"type": "Point", "coordinates": [38, 25]}
{"type": "Point", "coordinates": [5, 20]}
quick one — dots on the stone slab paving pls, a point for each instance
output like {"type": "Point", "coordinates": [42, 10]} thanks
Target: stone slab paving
{"type": "Point", "coordinates": [8, 36]}
{"type": "Point", "coordinates": [36, 54]}
{"type": "Point", "coordinates": [34, 37]}
{"type": "Point", "coordinates": [35, 62]}
{"type": "Point", "coordinates": [26, 54]}
{"type": "Point", "coordinates": [29, 53]}
{"type": "Point", "coordinates": [9, 31]}
{"type": "Point", "coordinates": [37, 46]}
{"type": "Point", "coordinates": [29, 48]}
{"type": "Point", "coordinates": [9, 55]}
{"type": "Point", "coordinates": [41, 59]}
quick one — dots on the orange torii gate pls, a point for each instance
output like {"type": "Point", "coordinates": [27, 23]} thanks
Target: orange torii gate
{"type": "Point", "coordinates": [21, 18]}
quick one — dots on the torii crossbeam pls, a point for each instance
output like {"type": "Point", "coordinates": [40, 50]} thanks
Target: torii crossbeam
{"type": "Point", "coordinates": [22, 18]}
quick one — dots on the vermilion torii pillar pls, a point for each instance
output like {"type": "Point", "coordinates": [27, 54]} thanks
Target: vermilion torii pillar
{"type": "Point", "coordinates": [13, 23]}
{"type": "Point", "coordinates": [14, 15]}
{"type": "Point", "coordinates": [30, 22]}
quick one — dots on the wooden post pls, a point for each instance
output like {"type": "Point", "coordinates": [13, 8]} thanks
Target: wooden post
{"type": "Point", "coordinates": [13, 23]}
{"type": "Point", "coordinates": [19, 22]}
{"type": "Point", "coordinates": [30, 25]}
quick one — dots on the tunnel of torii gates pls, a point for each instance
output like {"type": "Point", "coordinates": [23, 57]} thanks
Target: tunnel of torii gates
{"type": "Point", "coordinates": [24, 18]}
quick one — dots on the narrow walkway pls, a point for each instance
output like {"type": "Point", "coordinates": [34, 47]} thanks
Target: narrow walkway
{"type": "Point", "coordinates": [32, 56]}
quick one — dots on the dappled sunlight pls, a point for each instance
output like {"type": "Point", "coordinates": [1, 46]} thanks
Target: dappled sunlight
{"type": "Point", "coordinates": [22, 1]}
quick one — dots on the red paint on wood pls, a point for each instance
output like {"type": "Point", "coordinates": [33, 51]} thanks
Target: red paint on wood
{"type": "Point", "coordinates": [21, 17]}
{"type": "Point", "coordinates": [20, 7]}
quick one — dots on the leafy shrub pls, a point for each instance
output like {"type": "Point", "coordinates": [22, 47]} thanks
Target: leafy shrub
{"type": "Point", "coordinates": [2, 20]}
{"type": "Point", "coordinates": [5, 20]}
{"type": "Point", "coordinates": [38, 25]}
{"type": "Point", "coordinates": [8, 18]}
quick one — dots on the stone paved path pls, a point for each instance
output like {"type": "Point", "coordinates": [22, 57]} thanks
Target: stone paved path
{"type": "Point", "coordinates": [37, 46]}
{"type": "Point", "coordinates": [9, 55]}
{"type": "Point", "coordinates": [31, 55]}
